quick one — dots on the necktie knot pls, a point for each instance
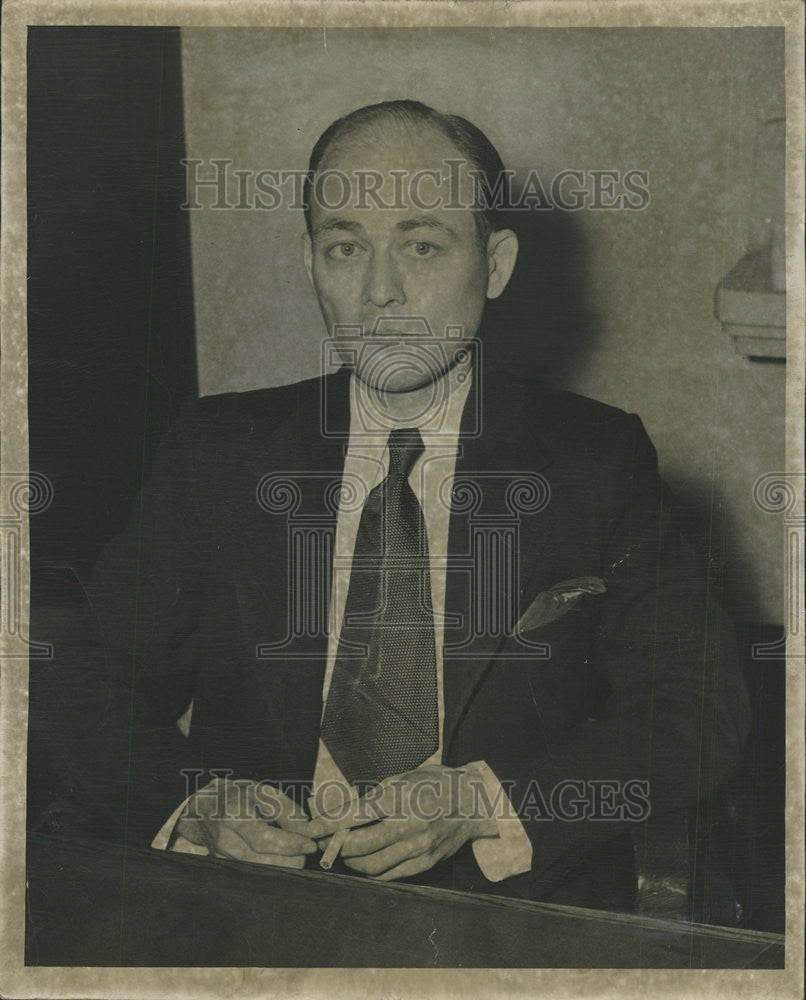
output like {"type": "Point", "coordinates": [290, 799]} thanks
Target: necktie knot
{"type": "Point", "coordinates": [405, 447]}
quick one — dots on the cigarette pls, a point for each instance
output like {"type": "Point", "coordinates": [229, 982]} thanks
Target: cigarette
{"type": "Point", "coordinates": [333, 848]}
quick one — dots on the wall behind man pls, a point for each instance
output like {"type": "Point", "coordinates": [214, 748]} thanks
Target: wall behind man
{"type": "Point", "coordinates": [628, 295]}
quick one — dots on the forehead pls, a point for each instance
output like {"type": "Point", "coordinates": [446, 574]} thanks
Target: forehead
{"type": "Point", "coordinates": [413, 167]}
{"type": "Point", "coordinates": [390, 145]}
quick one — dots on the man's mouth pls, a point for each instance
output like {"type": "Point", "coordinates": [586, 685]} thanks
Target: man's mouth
{"type": "Point", "coordinates": [400, 327]}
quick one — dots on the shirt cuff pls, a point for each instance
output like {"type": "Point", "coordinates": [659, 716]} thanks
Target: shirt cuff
{"type": "Point", "coordinates": [181, 844]}
{"type": "Point", "coordinates": [510, 853]}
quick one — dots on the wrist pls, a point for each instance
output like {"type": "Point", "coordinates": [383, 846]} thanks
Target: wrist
{"type": "Point", "coordinates": [485, 827]}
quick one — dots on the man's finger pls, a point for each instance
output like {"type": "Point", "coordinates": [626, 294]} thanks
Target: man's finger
{"type": "Point", "coordinates": [279, 860]}
{"type": "Point", "coordinates": [181, 845]}
{"type": "Point", "coordinates": [277, 807]}
{"type": "Point", "coordinates": [323, 826]}
{"type": "Point", "coordinates": [283, 861]}
{"type": "Point", "coordinates": [265, 839]}
{"type": "Point", "coordinates": [194, 831]}
{"type": "Point", "coordinates": [358, 812]}
{"type": "Point", "coordinates": [375, 838]}
{"type": "Point", "coordinates": [391, 857]}
{"type": "Point", "coordinates": [292, 820]}
{"type": "Point", "coordinates": [414, 866]}
{"type": "Point", "coordinates": [233, 847]}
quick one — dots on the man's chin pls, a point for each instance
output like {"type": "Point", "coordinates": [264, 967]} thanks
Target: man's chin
{"type": "Point", "coordinates": [402, 367]}
{"type": "Point", "coordinates": [399, 382]}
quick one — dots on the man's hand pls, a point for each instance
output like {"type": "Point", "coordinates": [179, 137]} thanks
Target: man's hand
{"type": "Point", "coordinates": [422, 817]}
{"type": "Point", "coordinates": [247, 821]}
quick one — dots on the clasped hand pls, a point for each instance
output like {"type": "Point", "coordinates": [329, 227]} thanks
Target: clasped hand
{"type": "Point", "coordinates": [410, 822]}
{"type": "Point", "coordinates": [401, 828]}
{"type": "Point", "coordinates": [247, 821]}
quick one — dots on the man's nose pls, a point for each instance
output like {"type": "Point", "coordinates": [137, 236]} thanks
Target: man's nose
{"type": "Point", "coordinates": [384, 283]}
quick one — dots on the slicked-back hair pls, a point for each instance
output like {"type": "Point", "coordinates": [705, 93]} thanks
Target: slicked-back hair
{"type": "Point", "coordinates": [469, 141]}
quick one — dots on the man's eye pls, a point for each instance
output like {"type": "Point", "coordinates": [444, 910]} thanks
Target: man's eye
{"type": "Point", "coordinates": [422, 249]}
{"type": "Point", "coordinates": [343, 250]}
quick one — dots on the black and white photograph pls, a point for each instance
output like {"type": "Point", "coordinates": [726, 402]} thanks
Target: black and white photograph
{"type": "Point", "coordinates": [402, 499]}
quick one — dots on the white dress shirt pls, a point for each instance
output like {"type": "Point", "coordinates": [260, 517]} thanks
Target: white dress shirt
{"type": "Point", "coordinates": [436, 411]}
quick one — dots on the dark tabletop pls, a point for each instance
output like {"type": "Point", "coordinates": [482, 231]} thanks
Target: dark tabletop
{"type": "Point", "coordinates": [98, 904]}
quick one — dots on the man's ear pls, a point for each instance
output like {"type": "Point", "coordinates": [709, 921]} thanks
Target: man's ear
{"type": "Point", "coordinates": [307, 255]}
{"type": "Point", "coordinates": [502, 252]}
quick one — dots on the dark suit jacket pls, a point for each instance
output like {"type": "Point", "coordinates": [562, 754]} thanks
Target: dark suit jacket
{"type": "Point", "coordinates": [198, 600]}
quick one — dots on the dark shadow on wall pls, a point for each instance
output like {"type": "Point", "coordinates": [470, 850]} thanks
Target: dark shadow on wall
{"type": "Point", "coordinates": [543, 323]}
{"type": "Point", "coordinates": [111, 341]}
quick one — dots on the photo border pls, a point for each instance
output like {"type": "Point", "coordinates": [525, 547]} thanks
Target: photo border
{"type": "Point", "coordinates": [384, 984]}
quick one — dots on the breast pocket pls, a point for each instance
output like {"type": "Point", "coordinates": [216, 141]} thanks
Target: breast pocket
{"type": "Point", "coordinates": [557, 658]}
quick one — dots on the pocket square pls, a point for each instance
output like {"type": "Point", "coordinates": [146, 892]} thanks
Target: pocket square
{"type": "Point", "coordinates": [557, 600]}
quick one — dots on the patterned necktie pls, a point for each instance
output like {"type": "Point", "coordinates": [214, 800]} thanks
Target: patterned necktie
{"type": "Point", "coordinates": [381, 713]}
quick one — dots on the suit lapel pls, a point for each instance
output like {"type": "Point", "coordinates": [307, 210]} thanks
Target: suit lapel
{"type": "Point", "coordinates": [294, 532]}
{"type": "Point", "coordinates": [500, 521]}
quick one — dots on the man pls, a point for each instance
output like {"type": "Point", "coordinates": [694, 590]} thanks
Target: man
{"type": "Point", "coordinates": [434, 611]}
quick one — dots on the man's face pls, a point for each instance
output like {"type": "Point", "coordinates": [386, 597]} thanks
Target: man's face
{"type": "Point", "coordinates": [401, 288]}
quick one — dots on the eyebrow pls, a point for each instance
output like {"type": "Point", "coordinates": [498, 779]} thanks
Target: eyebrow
{"type": "Point", "coordinates": [341, 224]}
{"type": "Point", "coordinates": [406, 226]}
{"type": "Point", "coordinates": [425, 222]}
